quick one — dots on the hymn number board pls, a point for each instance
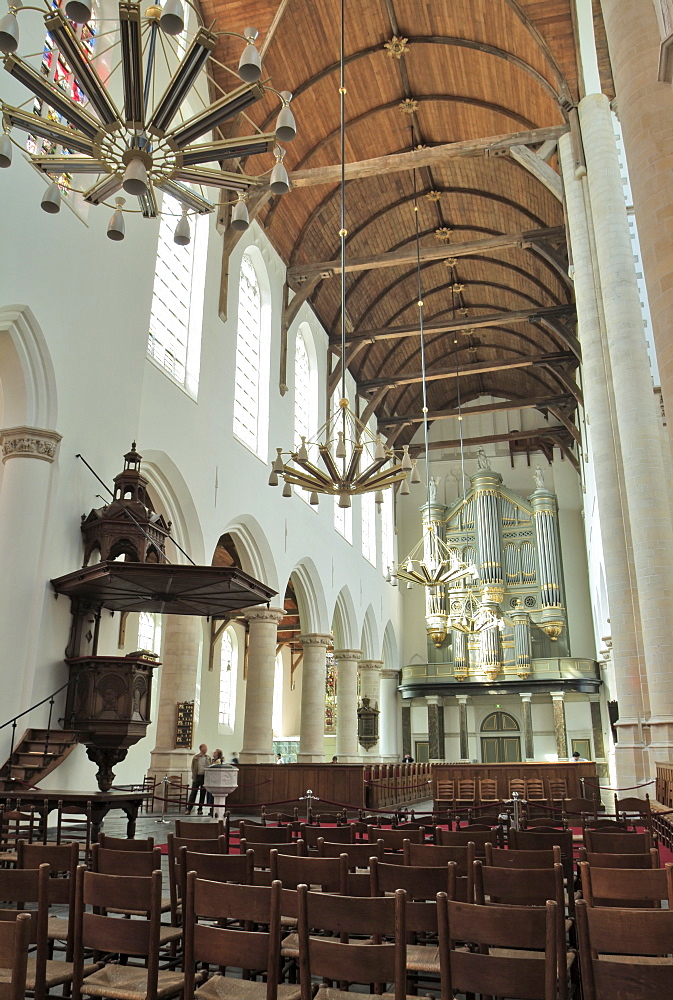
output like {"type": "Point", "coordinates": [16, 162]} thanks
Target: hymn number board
{"type": "Point", "coordinates": [184, 725]}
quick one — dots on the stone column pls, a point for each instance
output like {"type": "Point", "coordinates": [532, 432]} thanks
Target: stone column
{"type": "Point", "coordinates": [347, 704]}
{"type": "Point", "coordinates": [28, 454]}
{"type": "Point", "coordinates": [262, 640]}
{"type": "Point", "coordinates": [370, 687]}
{"type": "Point", "coordinates": [560, 732]}
{"type": "Point", "coordinates": [603, 436]}
{"type": "Point", "coordinates": [406, 728]}
{"type": "Point", "coordinates": [463, 731]}
{"type": "Point", "coordinates": [388, 718]}
{"type": "Point", "coordinates": [528, 746]}
{"type": "Point", "coordinates": [312, 727]}
{"type": "Point", "coordinates": [646, 116]}
{"type": "Point", "coordinates": [181, 643]}
{"type": "Point", "coordinates": [647, 503]}
{"type": "Point", "coordinates": [435, 706]}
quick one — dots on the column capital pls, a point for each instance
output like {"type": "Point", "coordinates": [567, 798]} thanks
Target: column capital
{"type": "Point", "coordinates": [263, 614]}
{"type": "Point", "coordinates": [594, 697]}
{"type": "Point", "coordinates": [462, 699]}
{"type": "Point", "coordinates": [558, 695]}
{"type": "Point", "coordinates": [315, 639]}
{"type": "Point", "coordinates": [390, 674]}
{"type": "Point", "coordinates": [434, 699]}
{"type": "Point", "coordinates": [525, 695]}
{"type": "Point", "coordinates": [29, 442]}
{"type": "Point", "coordinates": [347, 654]}
{"type": "Point", "coordinates": [371, 664]}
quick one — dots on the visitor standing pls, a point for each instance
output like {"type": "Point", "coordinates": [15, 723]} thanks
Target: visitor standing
{"type": "Point", "coordinates": [200, 761]}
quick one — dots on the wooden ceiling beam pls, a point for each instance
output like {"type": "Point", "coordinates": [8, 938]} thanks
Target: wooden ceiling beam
{"type": "Point", "coordinates": [538, 168]}
{"type": "Point", "coordinates": [536, 432]}
{"type": "Point", "coordinates": [478, 368]}
{"type": "Point", "coordinates": [416, 158]}
{"type": "Point", "coordinates": [536, 402]}
{"type": "Point", "coordinates": [473, 322]}
{"type": "Point", "coordinates": [329, 268]}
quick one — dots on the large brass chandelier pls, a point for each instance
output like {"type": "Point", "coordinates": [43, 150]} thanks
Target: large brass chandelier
{"type": "Point", "coordinates": [343, 443]}
{"type": "Point", "coordinates": [130, 116]}
{"type": "Point", "coordinates": [431, 562]}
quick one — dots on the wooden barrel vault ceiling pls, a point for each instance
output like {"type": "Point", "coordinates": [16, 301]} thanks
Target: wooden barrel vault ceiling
{"type": "Point", "coordinates": [422, 74]}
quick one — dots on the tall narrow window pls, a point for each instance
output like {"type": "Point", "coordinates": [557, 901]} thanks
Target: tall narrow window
{"type": "Point", "coordinates": [305, 404]}
{"type": "Point", "coordinates": [228, 677]}
{"type": "Point", "coordinates": [177, 299]}
{"type": "Point", "coordinates": [387, 531]}
{"type": "Point", "coordinates": [149, 632]}
{"type": "Point", "coordinates": [248, 357]}
{"type": "Point", "coordinates": [368, 527]}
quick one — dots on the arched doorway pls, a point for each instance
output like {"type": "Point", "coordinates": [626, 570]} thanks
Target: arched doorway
{"type": "Point", "coordinates": [500, 740]}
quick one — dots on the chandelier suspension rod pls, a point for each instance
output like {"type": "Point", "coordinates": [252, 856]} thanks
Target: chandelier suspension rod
{"type": "Point", "coordinates": [422, 336]}
{"type": "Point", "coordinates": [460, 413]}
{"type": "Point", "coordinates": [342, 232]}
{"type": "Point", "coordinates": [154, 27]}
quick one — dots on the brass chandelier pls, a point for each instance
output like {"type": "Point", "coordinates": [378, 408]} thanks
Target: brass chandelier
{"type": "Point", "coordinates": [343, 442]}
{"type": "Point", "coordinates": [113, 135]}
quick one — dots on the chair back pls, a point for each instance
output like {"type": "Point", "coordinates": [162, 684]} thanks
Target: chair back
{"type": "Point", "coordinates": [636, 887]}
{"type": "Point", "coordinates": [433, 856]}
{"type": "Point", "coordinates": [73, 823]}
{"type": "Point", "coordinates": [476, 970]}
{"type": "Point", "coordinates": [264, 834]}
{"type": "Point", "coordinates": [19, 886]}
{"type": "Point", "coordinates": [336, 834]}
{"type": "Point", "coordinates": [558, 789]}
{"type": "Point", "coordinates": [358, 854]}
{"type": "Point", "coordinates": [14, 944]}
{"type": "Point", "coordinates": [328, 873]}
{"type": "Point", "coordinates": [202, 846]}
{"type": "Point", "coordinates": [498, 857]}
{"type": "Point", "coordinates": [465, 791]}
{"type": "Point", "coordinates": [612, 842]}
{"type": "Point", "coordinates": [518, 886]}
{"type": "Point", "coordinates": [125, 843]}
{"type": "Point", "coordinates": [394, 839]}
{"type": "Point", "coordinates": [140, 863]}
{"type": "Point", "coordinates": [418, 883]}
{"type": "Point", "coordinates": [649, 859]}
{"type": "Point", "coordinates": [378, 963]}
{"type": "Point", "coordinates": [517, 785]}
{"type": "Point", "coordinates": [488, 790]}
{"type": "Point", "coordinates": [606, 935]}
{"type": "Point", "coordinates": [581, 806]}
{"type": "Point", "coordinates": [202, 831]}
{"type": "Point", "coordinates": [262, 852]}
{"type": "Point", "coordinates": [535, 790]}
{"type": "Point", "coordinates": [461, 838]}
{"type": "Point", "coordinates": [444, 791]}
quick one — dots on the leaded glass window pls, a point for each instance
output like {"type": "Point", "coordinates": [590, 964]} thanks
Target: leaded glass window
{"type": "Point", "coordinates": [248, 357]}
{"type": "Point", "coordinates": [228, 678]}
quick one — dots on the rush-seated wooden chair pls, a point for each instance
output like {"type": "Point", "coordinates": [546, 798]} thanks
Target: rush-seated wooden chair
{"type": "Point", "coordinates": [497, 961]}
{"type": "Point", "coordinates": [203, 831]}
{"type": "Point", "coordinates": [343, 959]}
{"type": "Point", "coordinates": [125, 843]}
{"type": "Point", "coordinates": [499, 857]}
{"type": "Point", "coordinates": [622, 956]}
{"type": "Point", "coordinates": [14, 944]}
{"type": "Point", "coordinates": [254, 834]}
{"type": "Point", "coordinates": [358, 854]}
{"type": "Point", "coordinates": [62, 860]}
{"type": "Point", "coordinates": [327, 874]}
{"type": "Point", "coordinates": [434, 856]}
{"type": "Point", "coordinates": [110, 937]}
{"type": "Point", "coordinates": [611, 842]}
{"type": "Point", "coordinates": [393, 840]}
{"type": "Point", "coordinates": [648, 859]}
{"type": "Point", "coordinates": [252, 951]}
{"type": "Point", "coordinates": [461, 838]}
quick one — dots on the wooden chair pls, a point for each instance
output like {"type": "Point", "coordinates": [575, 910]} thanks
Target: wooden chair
{"type": "Point", "coordinates": [329, 819]}
{"type": "Point", "coordinates": [579, 808]}
{"type": "Point", "coordinates": [335, 834]}
{"type": "Point", "coordinates": [558, 791]}
{"type": "Point", "coordinates": [635, 811]}
{"type": "Point", "coordinates": [109, 936]}
{"type": "Point", "coordinates": [432, 856]}
{"type": "Point", "coordinates": [176, 793]}
{"type": "Point", "coordinates": [174, 845]}
{"type": "Point", "coordinates": [254, 834]}
{"type": "Point", "coordinates": [461, 838]}
{"type": "Point", "coordinates": [635, 887]}
{"type": "Point", "coordinates": [535, 790]}
{"type": "Point", "coordinates": [224, 947]}
{"type": "Point", "coordinates": [393, 840]}
{"type": "Point", "coordinates": [19, 822]}
{"type": "Point", "coordinates": [358, 854]}
{"type": "Point", "coordinates": [649, 859]}
{"type": "Point", "coordinates": [488, 791]}
{"type": "Point", "coordinates": [465, 792]}
{"type": "Point", "coordinates": [528, 887]}
{"type": "Point", "coordinates": [62, 860]}
{"type": "Point", "coordinates": [621, 957]}
{"type": "Point", "coordinates": [443, 798]}
{"type": "Point", "coordinates": [222, 868]}
{"type": "Point", "coordinates": [262, 852]}
{"type": "Point", "coordinates": [499, 962]}
{"type": "Point", "coordinates": [32, 886]}
{"type": "Point", "coordinates": [418, 883]}
{"type": "Point", "coordinates": [125, 843]}
{"type": "Point", "coordinates": [537, 840]}
{"type": "Point", "coordinates": [611, 842]}
{"type": "Point", "coordinates": [327, 873]}
{"type": "Point", "coordinates": [340, 959]}
{"type": "Point", "coordinates": [203, 831]}
{"type": "Point", "coordinates": [517, 785]}
{"type": "Point", "coordinates": [73, 824]}
{"type": "Point", "coordinates": [14, 944]}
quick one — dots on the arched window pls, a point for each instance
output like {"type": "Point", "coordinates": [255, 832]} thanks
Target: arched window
{"type": "Point", "coordinates": [387, 531]}
{"type": "Point", "coordinates": [149, 632]}
{"type": "Point", "coordinates": [177, 299]}
{"type": "Point", "coordinates": [250, 415]}
{"type": "Point", "coordinates": [305, 403]}
{"type": "Point", "coordinates": [498, 722]}
{"type": "Point", "coordinates": [228, 678]}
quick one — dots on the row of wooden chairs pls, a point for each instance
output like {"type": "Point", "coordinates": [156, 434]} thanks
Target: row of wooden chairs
{"type": "Point", "coordinates": [30, 824]}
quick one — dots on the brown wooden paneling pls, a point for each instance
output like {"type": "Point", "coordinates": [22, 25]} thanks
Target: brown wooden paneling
{"type": "Point", "coordinates": [501, 773]}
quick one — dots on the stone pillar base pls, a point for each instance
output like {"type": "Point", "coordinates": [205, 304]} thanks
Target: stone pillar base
{"type": "Point", "coordinates": [310, 758]}
{"type": "Point", "coordinates": [350, 758]}
{"type": "Point", "coordinates": [177, 762]}
{"type": "Point", "coordinates": [631, 755]}
{"type": "Point", "coordinates": [661, 741]}
{"type": "Point", "coordinates": [390, 758]}
{"type": "Point", "coordinates": [256, 757]}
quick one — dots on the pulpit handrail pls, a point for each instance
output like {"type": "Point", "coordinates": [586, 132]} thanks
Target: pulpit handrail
{"type": "Point", "coordinates": [13, 721]}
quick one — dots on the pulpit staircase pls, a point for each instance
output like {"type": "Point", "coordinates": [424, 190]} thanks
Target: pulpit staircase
{"type": "Point", "coordinates": [35, 756]}
{"type": "Point", "coordinates": [38, 751]}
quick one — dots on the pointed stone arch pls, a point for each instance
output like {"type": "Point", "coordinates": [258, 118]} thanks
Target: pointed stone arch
{"type": "Point", "coordinates": [370, 643]}
{"type": "Point", "coordinates": [29, 397]}
{"type": "Point", "coordinates": [344, 621]}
